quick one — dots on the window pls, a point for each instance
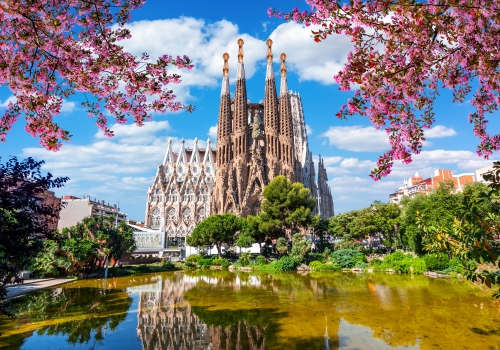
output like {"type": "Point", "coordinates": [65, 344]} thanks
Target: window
{"type": "Point", "coordinates": [181, 170]}
{"type": "Point", "coordinates": [186, 214]}
{"type": "Point", "coordinates": [195, 169]}
{"type": "Point", "coordinates": [187, 191]}
{"type": "Point", "coordinates": [208, 170]}
{"type": "Point", "coordinates": [168, 170]}
{"type": "Point", "coordinates": [172, 191]}
{"type": "Point", "coordinates": [171, 214]}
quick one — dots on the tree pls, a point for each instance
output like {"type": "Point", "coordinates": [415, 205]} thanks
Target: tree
{"type": "Point", "coordinates": [404, 52]}
{"type": "Point", "coordinates": [23, 216]}
{"type": "Point", "coordinates": [439, 207]}
{"type": "Point", "coordinates": [287, 207]}
{"type": "Point", "coordinates": [95, 241]}
{"type": "Point", "coordinates": [250, 232]}
{"type": "Point", "coordinates": [215, 230]}
{"type": "Point", "coordinates": [320, 230]}
{"type": "Point", "coordinates": [474, 236]}
{"type": "Point", "coordinates": [54, 49]}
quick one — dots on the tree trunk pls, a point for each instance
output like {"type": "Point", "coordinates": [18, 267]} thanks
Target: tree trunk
{"type": "Point", "coordinates": [219, 251]}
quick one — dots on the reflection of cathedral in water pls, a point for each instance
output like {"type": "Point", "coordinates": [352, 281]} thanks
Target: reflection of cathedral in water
{"type": "Point", "coordinates": [167, 321]}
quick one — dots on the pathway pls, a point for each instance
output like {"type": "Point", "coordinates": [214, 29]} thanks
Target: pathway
{"type": "Point", "coordinates": [32, 285]}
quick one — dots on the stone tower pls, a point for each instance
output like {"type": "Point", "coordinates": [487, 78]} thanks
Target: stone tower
{"type": "Point", "coordinates": [258, 141]}
{"type": "Point", "coordinates": [324, 195]}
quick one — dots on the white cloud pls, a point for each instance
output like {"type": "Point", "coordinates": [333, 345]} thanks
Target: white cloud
{"type": "Point", "coordinates": [212, 132]}
{"type": "Point", "coordinates": [439, 131]}
{"type": "Point", "coordinates": [309, 59]}
{"type": "Point", "coordinates": [309, 130]}
{"type": "Point", "coordinates": [5, 103]}
{"type": "Point", "coordinates": [357, 138]}
{"type": "Point", "coordinates": [119, 168]}
{"type": "Point", "coordinates": [369, 139]}
{"type": "Point", "coordinates": [203, 42]}
{"type": "Point", "coordinates": [67, 106]}
{"type": "Point", "coordinates": [264, 26]}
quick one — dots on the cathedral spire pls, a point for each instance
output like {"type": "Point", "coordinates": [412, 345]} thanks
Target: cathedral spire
{"type": "Point", "coordinates": [270, 69]}
{"type": "Point", "coordinates": [225, 118]}
{"type": "Point", "coordinates": [271, 116]}
{"type": "Point", "coordinates": [240, 73]}
{"type": "Point", "coordinates": [240, 99]}
{"type": "Point", "coordinates": [284, 83]}
{"type": "Point", "coordinates": [225, 75]}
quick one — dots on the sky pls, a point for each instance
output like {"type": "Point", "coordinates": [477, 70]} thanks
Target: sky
{"type": "Point", "coordinates": [120, 169]}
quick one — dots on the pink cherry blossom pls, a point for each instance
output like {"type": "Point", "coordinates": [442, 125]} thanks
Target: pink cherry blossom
{"type": "Point", "coordinates": [404, 52]}
{"type": "Point", "coordinates": [53, 49]}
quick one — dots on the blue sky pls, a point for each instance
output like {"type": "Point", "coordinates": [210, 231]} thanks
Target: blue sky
{"type": "Point", "coordinates": [122, 168]}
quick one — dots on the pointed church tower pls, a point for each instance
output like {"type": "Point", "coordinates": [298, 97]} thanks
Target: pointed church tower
{"type": "Point", "coordinates": [271, 117]}
{"type": "Point", "coordinates": [240, 133]}
{"type": "Point", "coordinates": [287, 154]}
{"type": "Point", "coordinates": [224, 139]}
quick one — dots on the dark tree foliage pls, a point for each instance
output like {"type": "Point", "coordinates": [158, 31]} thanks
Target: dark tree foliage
{"type": "Point", "coordinates": [24, 218]}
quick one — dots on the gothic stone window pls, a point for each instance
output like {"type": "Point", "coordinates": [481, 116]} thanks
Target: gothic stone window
{"type": "Point", "coordinates": [201, 214]}
{"type": "Point", "coordinates": [186, 214]}
{"type": "Point", "coordinates": [155, 218]}
{"type": "Point", "coordinates": [171, 214]}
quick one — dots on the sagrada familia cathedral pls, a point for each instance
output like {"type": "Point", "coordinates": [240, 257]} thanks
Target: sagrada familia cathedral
{"type": "Point", "coordinates": [255, 143]}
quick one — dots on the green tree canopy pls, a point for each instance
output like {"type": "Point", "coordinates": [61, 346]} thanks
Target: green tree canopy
{"type": "Point", "coordinates": [287, 207]}
{"type": "Point", "coordinates": [215, 230]}
{"type": "Point", "coordinates": [438, 208]}
{"type": "Point", "coordinates": [95, 240]}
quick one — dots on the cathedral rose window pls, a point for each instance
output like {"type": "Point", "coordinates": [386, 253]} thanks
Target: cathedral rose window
{"type": "Point", "coordinates": [155, 219]}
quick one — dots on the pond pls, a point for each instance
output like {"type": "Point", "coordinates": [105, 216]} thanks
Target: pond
{"type": "Point", "coordinates": [225, 310]}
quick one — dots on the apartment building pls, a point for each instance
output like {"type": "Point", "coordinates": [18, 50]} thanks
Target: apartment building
{"type": "Point", "coordinates": [75, 209]}
{"type": "Point", "coordinates": [418, 185]}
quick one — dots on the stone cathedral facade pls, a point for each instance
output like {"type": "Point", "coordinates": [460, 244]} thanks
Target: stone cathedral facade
{"type": "Point", "coordinates": [258, 141]}
{"type": "Point", "coordinates": [255, 143]}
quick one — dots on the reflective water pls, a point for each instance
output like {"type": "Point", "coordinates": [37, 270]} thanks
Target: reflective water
{"type": "Point", "coordinates": [224, 310]}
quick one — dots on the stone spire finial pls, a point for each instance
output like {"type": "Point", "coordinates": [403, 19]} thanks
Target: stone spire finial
{"type": "Point", "coordinates": [240, 50]}
{"type": "Point", "coordinates": [283, 64]}
{"type": "Point", "coordinates": [195, 140]}
{"type": "Point", "coordinates": [240, 72]}
{"type": "Point", "coordinates": [225, 70]}
{"type": "Point", "coordinates": [284, 83]}
{"type": "Point", "coordinates": [225, 75]}
{"type": "Point", "coordinates": [169, 140]}
{"type": "Point", "coordinates": [269, 44]}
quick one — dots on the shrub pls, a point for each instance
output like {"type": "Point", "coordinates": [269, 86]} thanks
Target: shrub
{"type": "Point", "coordinates": [375, 262]}
{"type": "Point", "coordinates": [326, 252]}
{"type": "Point", "coordinates": [205, 262]}
{"type": "Point", "coordinates": [300, 247]}
{"type": "Point", "coordinates": [286, 263]}
{"type": "Point", "coordinates": [317, 256]}
{"type": "Point", "coordinates": [396, 256]}
{"type": "Point", "coordinates": [410, 265]}
{"type": "Point", "coordinates": [260, 260]}
{"type": "Point", "coordinates": [193, 258]}
{"type": "Point", "coordinates": [245, 258]}
{"type": "Point", "coordinates": [436, 262]}
{"type": "Point", "coordinates": [189, 265]}
{"type": "Point", "coordinates": [315, 265]}
{"type": "Point", "coordinates": [347, 258]}
{"type": "Point", "coordinates": [167, 265]}
{"type": "Point", "coordinates": [330, 267]}
{"type": "Point", "coordinates": [221, 262]}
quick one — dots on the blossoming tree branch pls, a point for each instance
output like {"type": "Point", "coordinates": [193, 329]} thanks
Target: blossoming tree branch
{"type": "Point", "coordinates": [404, 52]}
{"type": "Point", "coordinates": [52, 49]}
